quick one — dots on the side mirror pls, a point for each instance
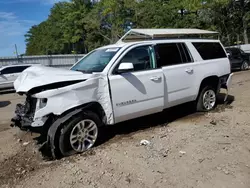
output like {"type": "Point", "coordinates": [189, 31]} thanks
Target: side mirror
{"type": "Point", "coordinates": [125, 67]}
{"type": "Point", "coordinates": [228, 54]}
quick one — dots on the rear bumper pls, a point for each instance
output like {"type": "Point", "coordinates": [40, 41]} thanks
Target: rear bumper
{"type": "Point", "coordinates": [229, 81]}
{"type": "Point", "coordinates": [225, 81]}
{"type": "Point", "coordinates": [226, 84]}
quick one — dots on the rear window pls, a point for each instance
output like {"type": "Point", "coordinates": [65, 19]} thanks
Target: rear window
{"type": "Point", "coordinates": [209, 50]}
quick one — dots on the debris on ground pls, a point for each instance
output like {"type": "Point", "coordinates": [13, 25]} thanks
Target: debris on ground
{"type": "Point", "coordinates": [25, 143]}
{"type": "Point", "coordinates": [225, 171]}
{"type": "Point", "coordinates": [182, 152]}
{"type": "Point", "coordinates": [144, 143]}
{"type": "Point", "coordinates": [213, 122]}
{"type": "Point", "coordinates": [165, 153]}
{"type": "Point", "coordinates": [201, 160]}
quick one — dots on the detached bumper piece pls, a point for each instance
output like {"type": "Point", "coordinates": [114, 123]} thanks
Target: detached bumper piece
{"type": "Point", "coordinates": [227, 85]}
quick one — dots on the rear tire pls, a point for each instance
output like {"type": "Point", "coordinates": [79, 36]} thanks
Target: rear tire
{"type": "Point", "coordinates": [206, 100]}
{"type": "Point", "coordinates": [79, 133]}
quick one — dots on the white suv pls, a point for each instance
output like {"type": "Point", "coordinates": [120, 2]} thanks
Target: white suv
{"type": "Point", "coordinates": [116, 83]}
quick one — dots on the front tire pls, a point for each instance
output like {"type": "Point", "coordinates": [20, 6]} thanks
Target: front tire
{"type": "Point", "coordinates": [244, 66]}
{"type": "Point", "coordinates": [79, 133]}
{"type": "Point", "coordinates": [207, 99]}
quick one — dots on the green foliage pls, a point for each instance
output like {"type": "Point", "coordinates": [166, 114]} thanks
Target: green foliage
{"type": "Point", "coordinates": [81, 25]}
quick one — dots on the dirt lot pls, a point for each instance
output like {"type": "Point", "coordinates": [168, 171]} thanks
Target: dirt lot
{"type": "Point", "coordinates": [186, 150]}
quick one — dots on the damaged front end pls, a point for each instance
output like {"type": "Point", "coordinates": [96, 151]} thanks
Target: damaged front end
{"type": "Point", "coordinates": [24, 114]}
{"type": "Point", "coordinates": [36, 80]}
{"type": "Point", "coordinates": [54, 92]}
{"type": "Point", "coordinates": [53, 97]}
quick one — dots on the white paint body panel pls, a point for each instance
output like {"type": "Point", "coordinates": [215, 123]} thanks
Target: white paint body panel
{"type": "Point", "coordinates": [136, 94]}
{"type": "Point", "coordinates": [125, 96]}
{"type": "Point", "coordinates": [179, 84]}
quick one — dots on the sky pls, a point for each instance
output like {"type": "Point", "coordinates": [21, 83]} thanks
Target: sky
{"type": "Point", "coordinates": [16, 17]}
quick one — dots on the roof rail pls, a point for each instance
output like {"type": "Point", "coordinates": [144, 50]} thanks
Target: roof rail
{"type": "Point", "coordinates": [152, 34]}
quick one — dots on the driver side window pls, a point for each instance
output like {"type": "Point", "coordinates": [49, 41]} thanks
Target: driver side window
{"type": "Point", "coordinates": [141, 57]}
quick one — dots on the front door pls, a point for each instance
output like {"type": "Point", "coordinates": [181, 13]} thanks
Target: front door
{"type": "Point", "coordinates": [139, 92]}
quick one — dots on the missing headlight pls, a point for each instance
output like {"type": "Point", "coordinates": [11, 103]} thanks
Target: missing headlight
{"type": "Point", "coordinates": [42, 103]}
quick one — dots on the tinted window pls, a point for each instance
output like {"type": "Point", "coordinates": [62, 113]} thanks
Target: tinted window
{"type": "Point", "coordinates": [185, 55]}
{"type": "Point", "coordinates": [168, 54]}
{"type": "Point", "coordinates": [140, 57]}
{"type": "Point", "coordinates": [235, 51]}
{"type": "Point", "coordinates": [210, 50]}
{"type": "Point", "coordinates": [12, 70]}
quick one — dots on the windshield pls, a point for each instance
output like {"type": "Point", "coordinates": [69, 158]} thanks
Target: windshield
{"type": "Point", "coordinates": [96, 61]}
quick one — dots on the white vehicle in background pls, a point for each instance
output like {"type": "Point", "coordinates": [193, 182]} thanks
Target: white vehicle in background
{"type": "Point", "coordinates": [120, 82]}
{"type": "Point", "coordinates": [8, 74]}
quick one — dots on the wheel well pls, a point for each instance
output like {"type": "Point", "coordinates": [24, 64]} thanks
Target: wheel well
{"type": "Point", "coordinates": [93, 107]}
{"type": "Point", "coordinates": [211, 81]}
{"type": "Point", "coordinates": [97, 108]}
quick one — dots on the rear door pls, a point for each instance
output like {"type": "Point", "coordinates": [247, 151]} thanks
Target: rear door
{"type": "Point", "coordinates": [139, 92]}
{"type": "Point", "coordinates": [179, 73]}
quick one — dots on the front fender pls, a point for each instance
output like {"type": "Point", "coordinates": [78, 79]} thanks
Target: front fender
{"type": "Point", "coordinates": [66, 98]}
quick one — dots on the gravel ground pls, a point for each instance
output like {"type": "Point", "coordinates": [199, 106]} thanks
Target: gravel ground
{"type": "Point", "coordinates": [186, 149]}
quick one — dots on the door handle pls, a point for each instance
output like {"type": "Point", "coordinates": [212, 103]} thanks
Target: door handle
{"type": "Point", "coordinates": [189, 70]}
{"type": "Point", "coordinates": [155, 78]}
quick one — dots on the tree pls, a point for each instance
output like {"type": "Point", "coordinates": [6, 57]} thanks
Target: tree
{"type": "Point", "coordinates": [78, 26]}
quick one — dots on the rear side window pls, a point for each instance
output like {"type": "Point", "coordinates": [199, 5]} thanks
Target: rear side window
{"type": "Point", "coordinates": [167, 54]}
{"type": "Point", "coordinates": [172, 54]}
{"type": "Point", "coordinates": [209, 50]}
{"type": "Point", "coordinates": [12, 70]}
{"type": "Point", "coordinates": [185, 55]}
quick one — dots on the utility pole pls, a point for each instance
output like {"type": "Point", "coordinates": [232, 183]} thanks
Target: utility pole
{"type": "Point", "coordinates": [16, 53]}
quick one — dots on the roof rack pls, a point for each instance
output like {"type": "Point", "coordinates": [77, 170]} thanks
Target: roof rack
{"type": "Point", "coordinates": [154, 34]}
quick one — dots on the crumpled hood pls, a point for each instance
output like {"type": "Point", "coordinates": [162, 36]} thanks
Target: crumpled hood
{"type": "Point", "coordinates": [39, 76]}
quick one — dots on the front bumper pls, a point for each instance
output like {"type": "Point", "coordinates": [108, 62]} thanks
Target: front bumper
{"type": "Point", "coordinates": [21, 119]}
{"type": "Point", "coordinates": [24, 114]}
